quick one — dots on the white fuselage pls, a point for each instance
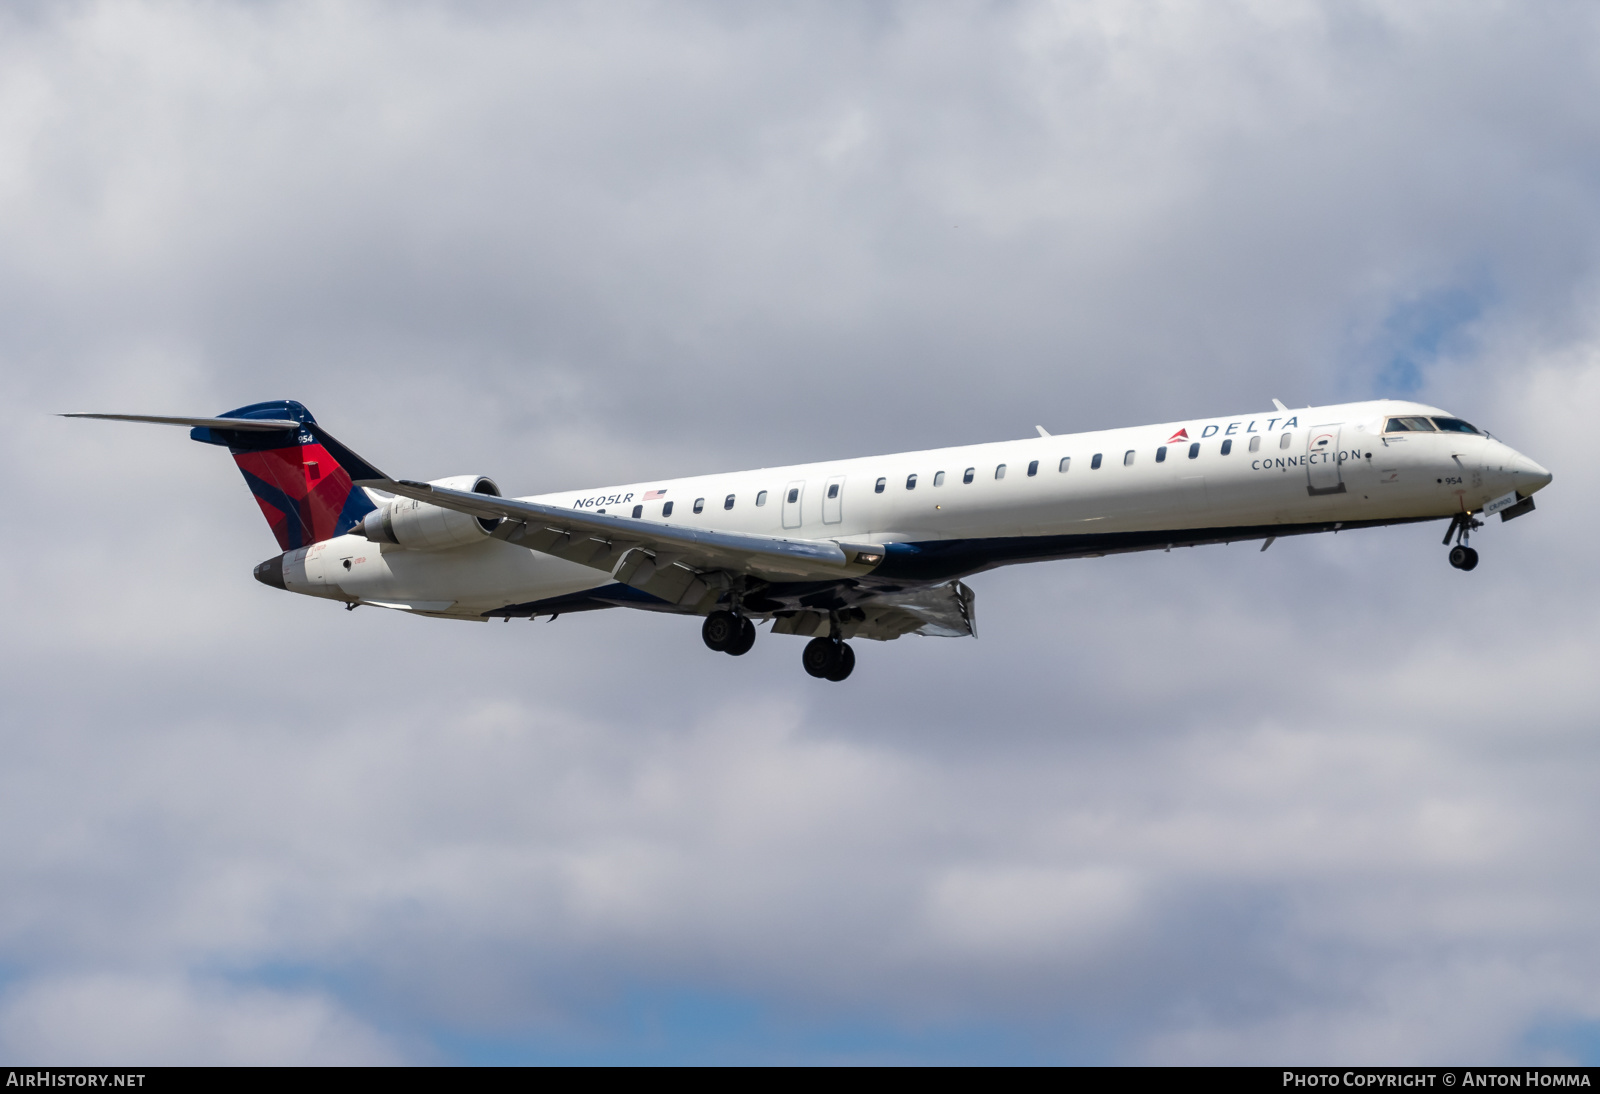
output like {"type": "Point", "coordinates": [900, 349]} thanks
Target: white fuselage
{"type": "Point", "coordinates": [1298, 470]}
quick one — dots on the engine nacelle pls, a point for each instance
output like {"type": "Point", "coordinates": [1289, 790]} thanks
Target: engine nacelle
{"type": "Point", "coordinates": [423, 527]}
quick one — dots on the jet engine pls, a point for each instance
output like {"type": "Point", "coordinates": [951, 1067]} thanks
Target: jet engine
{"type": "Point", "coordinates": [422, 527]}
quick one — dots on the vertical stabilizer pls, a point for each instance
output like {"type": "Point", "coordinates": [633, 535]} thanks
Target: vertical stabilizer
{"type": "Point", "coordinates": [303, 491]}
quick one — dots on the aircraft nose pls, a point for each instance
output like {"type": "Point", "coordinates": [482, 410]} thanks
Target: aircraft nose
{"type": "Point", "coordinates": [1530, 476]}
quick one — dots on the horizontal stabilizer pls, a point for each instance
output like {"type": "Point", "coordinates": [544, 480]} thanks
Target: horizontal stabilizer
{"type": "Point", "coordinates": [263, 425]}
{"type": "Point", "coordinates": [300, 475]}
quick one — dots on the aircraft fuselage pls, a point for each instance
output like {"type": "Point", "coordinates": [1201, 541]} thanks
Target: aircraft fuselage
{"type": "Point", "coordinates": [942, 514]}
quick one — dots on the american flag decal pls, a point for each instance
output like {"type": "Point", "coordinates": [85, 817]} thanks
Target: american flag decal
{"type": "Point", "coordinates": [654, 494]}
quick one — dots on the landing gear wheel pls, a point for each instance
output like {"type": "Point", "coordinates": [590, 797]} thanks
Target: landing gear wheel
{"type": "Point", "coordinates": [747, 638]}
{"type": "Point", "coordinates": [1463, 558]}
{"type": "Point", "coordinates": [828, 660]}
{"type": "Point", "coordinates": [819, 656]}
{"type": "Point", "coordinates": [721, 631]}
{"type": "Point", "coordinates": [843, 663]}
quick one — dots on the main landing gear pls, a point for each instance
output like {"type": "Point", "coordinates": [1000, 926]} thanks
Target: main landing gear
{"type": "Point", "coordinates": [1462, 557]}
{"type": "Point", "coordinates": [824, 658]}
{"type": "Point", "coordinates": [726, 632]}
{"type": "Point", "coordinates": [828, 659]}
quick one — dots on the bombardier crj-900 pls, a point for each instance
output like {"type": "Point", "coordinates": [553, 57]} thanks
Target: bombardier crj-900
{"type": "Point", "coordinates": [859, 548]}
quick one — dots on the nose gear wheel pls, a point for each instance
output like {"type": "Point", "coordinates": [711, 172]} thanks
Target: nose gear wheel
{"type": "Point", "coordinates": [1461, 528]}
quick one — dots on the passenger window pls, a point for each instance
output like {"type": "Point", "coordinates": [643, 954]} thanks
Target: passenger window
{"type": "Point", "coordinates": [794, 492]}
{"type": "Point", "coordinates": [1094, 462]}
{"type": "Point", "coordinates": [1454, 425]}
{"type": "Point", "coordinates": [1000, 471]}
{"type": "Point", "coordinates": [1194, 450]}
{"type": "Point", "coordinates": [1255, 444]}
{"type": "Point", "coordinates": [761, 498]}
{"type": "Point", "coordinates": [1409, 425]}
{"type": "Point", "coordinates": [1227, 446]}
{"type": "Point", "coordinates": [638, 511]}
{"type": "Point", "coordinates": [666, 510]}
{"type": "Point", "coordinates": [1161, 454]}
{"type": "Point", "coordinates": [1066, 462]}
{"type": "Point", "coordinates": [911, 482]}
{"type": "Point", "coordinates": [967, 478]}
{"type": "Point", "coordinates": [727, 502]}
{"type": "Point", "coordinates": [833, 490]}
{"type": "Point", "coordinates": [1033, 468]}
{"type": "Point", "coordinates": [1127, 458]}
{"type": "Point", "coordinates": [938, 478]}
{"type": "Point", "coordinates": [878, 489]}
{"type": "Point", "coordinates": [1284, 439]}
{"type": "Point", "coordinates": [699, 505]}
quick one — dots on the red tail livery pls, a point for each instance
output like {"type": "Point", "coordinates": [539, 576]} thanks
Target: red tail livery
{"type": "Point", "coordinates": [303, 491]}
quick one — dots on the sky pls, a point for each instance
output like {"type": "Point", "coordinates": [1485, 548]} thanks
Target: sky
{"type": "Point", "coordinates": [1333, 803]}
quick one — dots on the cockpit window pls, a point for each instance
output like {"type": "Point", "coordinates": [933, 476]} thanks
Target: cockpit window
{"type": "Point", "coordinates": [1453, 425]}
{"type": "Point", "coordinates": [1409, 425]}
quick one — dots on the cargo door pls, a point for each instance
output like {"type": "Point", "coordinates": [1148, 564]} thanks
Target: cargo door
{"type": "Point", "coordinates": [1323, 473]}
{"type": "Point", "coordinates": [833, 501]}
{"type": "Point", "coordinates": [793, 495]}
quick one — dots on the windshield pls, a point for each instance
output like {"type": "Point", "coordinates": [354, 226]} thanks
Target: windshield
{"type": "Point", "coordinates": [1454, 425]}
{"type": "Point", "coordinates": [1408, 425]}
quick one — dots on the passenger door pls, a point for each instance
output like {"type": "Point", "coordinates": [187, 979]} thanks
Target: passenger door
{"type": "Point", "coordinates": [833, 501]}
{"type": "Point", "coordinates": [1322, 460]}
{"type": "Point", "coordinates": [793, 495]}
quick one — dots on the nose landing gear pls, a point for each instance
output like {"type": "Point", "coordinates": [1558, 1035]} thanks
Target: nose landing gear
{"type": "Point", "coordinates": [1462, 557]}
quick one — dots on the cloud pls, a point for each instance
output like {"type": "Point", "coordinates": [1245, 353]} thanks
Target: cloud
{"type": "Point", "coordinates": [1215, 805]}
{"type": "Point", "coordinates": [160, 1020]}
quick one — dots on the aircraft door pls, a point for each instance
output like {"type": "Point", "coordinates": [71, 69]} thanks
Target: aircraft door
{"type": "Point", "coordinates": [1323, 474]}
{"type": "Point", "coordinates": [793, 495]}
{"type": "Point", "coordinates": [833, 501]}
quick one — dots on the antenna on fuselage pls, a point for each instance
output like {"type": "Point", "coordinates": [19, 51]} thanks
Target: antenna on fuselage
{"type": "Point", "coordinates": [1280, 406]}
{"type": "Point", "coordinates": [1041, 430]}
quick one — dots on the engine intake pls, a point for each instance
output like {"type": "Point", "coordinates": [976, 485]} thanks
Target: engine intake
{"type": "Point", "coordinates": [419, 526]}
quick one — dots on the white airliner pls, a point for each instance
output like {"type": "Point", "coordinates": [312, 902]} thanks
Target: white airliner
{"type": "Point", "coordinates": [872, 547]}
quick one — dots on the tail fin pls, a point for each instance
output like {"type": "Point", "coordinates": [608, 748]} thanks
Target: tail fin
{"type": "Point", "coordinates": [303, 491]}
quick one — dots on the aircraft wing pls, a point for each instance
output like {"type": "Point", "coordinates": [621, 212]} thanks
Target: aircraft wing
{"type": "Point", "coordinates": [677, 563]}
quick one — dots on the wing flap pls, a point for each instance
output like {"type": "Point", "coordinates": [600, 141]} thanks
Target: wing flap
{"type": "Point", "coordinates": [942, 611]}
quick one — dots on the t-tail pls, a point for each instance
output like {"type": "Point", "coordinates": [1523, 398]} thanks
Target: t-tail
{"type": "Point", "coordinates": [300, 476]}
{"type": "Point", "coordinates": [303, 491]}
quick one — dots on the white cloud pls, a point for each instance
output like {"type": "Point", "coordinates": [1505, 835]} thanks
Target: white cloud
{"type": "Point", "coordinates": [155, 1020]}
